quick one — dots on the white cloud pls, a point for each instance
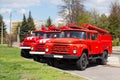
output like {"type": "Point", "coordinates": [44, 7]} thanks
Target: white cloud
{"type": "Point", "coordinates": [5, 10]}
{"type": "Point", "coordinates": [56, 2]}
{"type": "Point", "coordinates": [102, 6]}
{"type": "Point", "coordinates": [23, 11]}
{"type": "Point", "coordinates": [19, 3]}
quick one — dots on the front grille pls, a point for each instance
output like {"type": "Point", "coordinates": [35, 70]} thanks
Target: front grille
{"type": "Point", "coordinates": [61, 48]}
{"type": "Point", "coordinates": [40, 47]}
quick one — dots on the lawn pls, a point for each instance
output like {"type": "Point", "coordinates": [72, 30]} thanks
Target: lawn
{"type": "Point", "coordinates": [14, 67]}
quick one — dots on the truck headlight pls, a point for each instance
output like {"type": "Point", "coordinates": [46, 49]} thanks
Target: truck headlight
{"type": "Point", "coordinates": [74, 51]}
{"type": "Point", "coordinates": [32, 48]}
{"type": "Point", "coordinates": [47, 49]}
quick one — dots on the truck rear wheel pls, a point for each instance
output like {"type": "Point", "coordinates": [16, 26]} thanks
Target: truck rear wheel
{"type": "Point", "coordinates": [82, 62]}
{"type": "Point", "coordinates": [103, 60]}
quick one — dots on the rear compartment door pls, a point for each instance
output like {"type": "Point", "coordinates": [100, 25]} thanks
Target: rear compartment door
{"type": "Point", "coordinates": [95, 43]}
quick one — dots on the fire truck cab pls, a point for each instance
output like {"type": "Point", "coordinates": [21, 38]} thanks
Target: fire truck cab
{"type": "Point", "coordinates": [80, 44]}
{"type": "Point", "coordinates": [25, 46]}
{"type": "Point", "coordinates": [38, 49]}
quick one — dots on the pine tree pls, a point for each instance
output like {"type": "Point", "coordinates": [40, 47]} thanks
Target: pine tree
{"type": "Point", "coordinates": [23, 29]}
{"type": "Point", "coordinates": [30, 22]}
{"type": "Point", "coordinates": [49, 22]}
{"type": "Point", "coordinates": [2, 24]}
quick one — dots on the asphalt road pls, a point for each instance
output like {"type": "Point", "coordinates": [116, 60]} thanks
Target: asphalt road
{"type": "Point", "coordinates": [95, 71]}
{"type": "Point", "coordinates": [99, 72]}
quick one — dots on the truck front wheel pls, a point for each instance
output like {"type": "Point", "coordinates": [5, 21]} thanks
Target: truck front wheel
{"type": "Point", "coordinates": [53, 62]}
{"type": "Point", "coordinates": [25, 53]}
{"type": "Point", "coordinates": [82, 62]}
{"type": "Point", "coordinates": [36, 58]}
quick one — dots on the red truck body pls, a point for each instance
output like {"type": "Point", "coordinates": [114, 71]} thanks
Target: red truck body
{"type": "Point", "coordinates": [82, 44]}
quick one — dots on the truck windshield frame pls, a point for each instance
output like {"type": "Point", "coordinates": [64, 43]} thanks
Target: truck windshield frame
{"type": "Point", "coordinates": [53, 35]}
{"type": "Point", "coordinates": [74, 34]}
{"type": "Point", "coordinates": [37, 34]}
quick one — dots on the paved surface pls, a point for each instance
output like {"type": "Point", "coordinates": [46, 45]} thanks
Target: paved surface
{"type": "Point", "coordinates": [97, 72]}
{"type": "Point", "coordinates": [114, 59]}
{"type": "Point", "coordinates": [111, 71]}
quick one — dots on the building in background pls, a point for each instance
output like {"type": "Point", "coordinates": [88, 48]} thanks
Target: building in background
{"type": "Point", "coordinates": [15, 25]}
{"type": "Point", "coordinates": [39, 23]}
{"type": "Point", "coordinates": [60, 22]}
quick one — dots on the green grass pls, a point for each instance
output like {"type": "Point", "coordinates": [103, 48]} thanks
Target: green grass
{"type": "Point", "coordinates": [14, 67]}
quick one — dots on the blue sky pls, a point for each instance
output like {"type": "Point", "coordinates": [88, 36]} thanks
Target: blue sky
{"type": "Point", "coordinates": [42, 9]}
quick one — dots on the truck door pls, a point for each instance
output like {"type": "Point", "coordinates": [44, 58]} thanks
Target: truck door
{"type": "Point", "coordinates": [95, 44]}
{"type": "Point", "coordinates": [89, 42]}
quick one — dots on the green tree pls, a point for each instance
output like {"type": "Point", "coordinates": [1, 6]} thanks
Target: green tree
{"type": "Point", "coordinates": [2, 25]}
{"type": "Point", "coordinates": [30, 23]}
{"type": "Point", "coordinates": [114, 20]}
{"type": "Point", "coordinates": [84, 18]}
{"type": "Point", "coordinates": [49, 22]}
{"type": "Point", "coordinates": [103, 22]}
{"type": "Point", "coordinates": [23, 29]}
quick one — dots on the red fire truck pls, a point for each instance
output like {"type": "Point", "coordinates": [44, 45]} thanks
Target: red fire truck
{"type": "Point", "coordinates": [25, 46]}
{"type": "Point", "coordinates": [80, 45]}
{"type": "Point", "coordinates": [37, 49]}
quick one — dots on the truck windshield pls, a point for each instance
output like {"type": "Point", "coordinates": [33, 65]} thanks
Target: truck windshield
{"type": "Point", "coordinates": [53, 35]}
{"type": "Point", "coordinates": [73, 34]}
{"type": "Point", "coordinates": [38, 34]}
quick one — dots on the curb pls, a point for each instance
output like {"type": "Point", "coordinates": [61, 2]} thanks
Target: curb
{"type": "Point", "coordinates": [116, 52]}
{"type": "Point", "coordinates": [113, 61]}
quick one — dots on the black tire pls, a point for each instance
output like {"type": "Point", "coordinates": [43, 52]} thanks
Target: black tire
{"type": "Point", "coordinates": [82, 62]}
{"type": "Point", "coordinates": [104, 58]}
{"type": "Point", "coordinates": [53, 62]}
{"type": "Point", "coordinates": [56, 63]}
{"type": "Point", "coordinates": [25, 53]}
{"type": "Point", "coordinates": [22, 53]}
{"type": "Point", "coordinates": [36, 58]}
{"type": "Point", "coordinates": [50, 62]}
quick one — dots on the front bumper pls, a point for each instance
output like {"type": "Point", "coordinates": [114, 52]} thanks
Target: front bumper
{"type": "Point", "coordinates": [24, 47]}
{"type": "Point", "coordinates": [37, 53]}
{"type": "Point", "coordinates": [61, 56]}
